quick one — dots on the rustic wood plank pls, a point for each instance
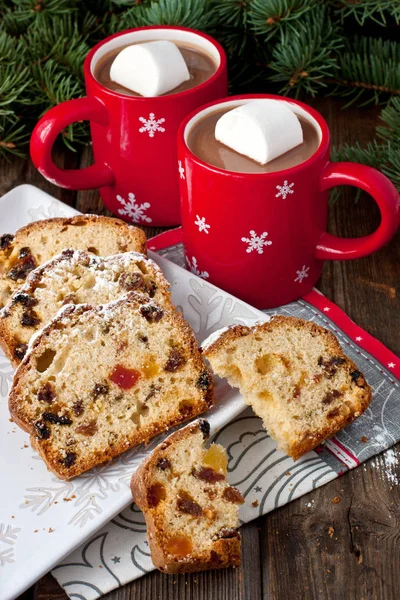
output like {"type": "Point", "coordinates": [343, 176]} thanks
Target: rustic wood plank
{"type": "Point", "coordinates": [16, 171]}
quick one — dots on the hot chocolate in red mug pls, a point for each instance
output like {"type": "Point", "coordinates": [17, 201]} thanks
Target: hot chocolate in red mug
{"type": "Point", "coordinates": [134, 131]}
{"type": "Point", "coordinates": [254, 218]}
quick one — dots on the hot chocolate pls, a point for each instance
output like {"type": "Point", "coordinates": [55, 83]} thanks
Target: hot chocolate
{"type": "Point", "coordinates": [202, 142]}
{"type": "Point", "coordinates": [200, 65]}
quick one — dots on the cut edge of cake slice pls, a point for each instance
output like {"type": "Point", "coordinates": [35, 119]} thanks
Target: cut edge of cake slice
{"type": "Point", "coordinates": [190, 509]}
{"type": "Point", "coordinates": [36, 243]}
{"type": "Point", "coordinates": [75, 277]}
{"type": "Point", "coordinates": [295, 376]}
{"type": "Point", "coordinates": [99, 380]}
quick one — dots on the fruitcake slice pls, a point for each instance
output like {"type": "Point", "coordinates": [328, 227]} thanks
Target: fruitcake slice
{"type": "Point", "coordinates": [295, 376]}
{"type": "Point", "coordinates": [99, 380]}
{"type": "Point", "coordinates": [75, 277]}
{"type": "Point", "coordinates": [38, 242]}
{"type": "Point", "coordinates": [190, 509]}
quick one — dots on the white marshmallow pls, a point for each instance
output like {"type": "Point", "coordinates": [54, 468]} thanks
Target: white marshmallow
{"type": "Point", "coordinates": [261, 129]}
{"type": "Point", "coordinates": [150, 69]}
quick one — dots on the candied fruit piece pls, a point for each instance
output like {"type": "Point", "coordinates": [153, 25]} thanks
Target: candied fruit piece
{"type": "Point", "coordinates": [69, 459]}
{"type": "Point", "coordinates": [179, 545]}
{"type": "Point", "coordinates": [226, 533]}
{"type": "Point", "coordinates": [233, 495]}
{"type": "Point", "coordinates": [149, 367]}
{"type": "Point", "coordinates": [175, 360]}
{"type": "Point", "coordinates": [163, 464]}
{"type": "Point", "coordinates": [330, 396]}
{"type": "Point", "coordinates": [215, 457]}
{"type": "Point", "coordinates": [20, 351]}
{"type": "Point", "coordinates": [124, 378]}
{"type": "Point", "coordinates": [209, 475]}
{"type": "Point", "coordinates": [131, 281]}
{"type": "Point", "coordinates": [189, 506]}
{"type": "Point", "coordinates": [46, 394]}
{"type": "Point", "coordinates": [88, 428]}
{"type": "Point", "coordinates": [155, 494]}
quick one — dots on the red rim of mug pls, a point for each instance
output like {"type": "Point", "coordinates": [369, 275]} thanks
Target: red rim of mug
{"type": "Point", "coordinates": [322, 148]}
{"type": "Point", "coordinates": [167, 97]}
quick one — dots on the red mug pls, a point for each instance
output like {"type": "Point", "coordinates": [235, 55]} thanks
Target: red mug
{"type": "Point", "coordinates": [134, 138]}
{"type": "Point", "coordinates": [262, 237]}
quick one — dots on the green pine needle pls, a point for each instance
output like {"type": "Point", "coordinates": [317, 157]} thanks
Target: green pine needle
{"type": "Point", "coordinates": [369, 70]}
{"type": "Point", "coordinates": [381, 12]}
{"type": "Point", "coordinates": [268, 18]}
{"type": "Point", "coordinates": [306, 56]}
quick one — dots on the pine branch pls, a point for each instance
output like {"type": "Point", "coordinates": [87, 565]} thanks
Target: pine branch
{"type": "Point", "coordinates": [13, 135]}
{"type": "Point", "coordinates": [187, 13]}
{"type": "Point", "coordinates": [390, 115]}
{"type": "Point", "coordinates": [306, 56]}
{"type": "Point", "coordinates": [384, 157]}
{"type": "Point", "coordinates": [369, 68]}
{"type": "Point", "coordinates": [268, 18]}
{"type": "Point", "coordinates": [381, 12]}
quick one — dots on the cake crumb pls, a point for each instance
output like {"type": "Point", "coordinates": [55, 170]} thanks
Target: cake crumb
{"type": "Point", "coordinates": [331, 531]}
{"type": "Point", "coordinates": [364, 439]}
{"type": "Point", "coordinates": [50, 530]}
{"type": "Point", "coordinates": [336, 500]}
{"type": "Point", "coordinates": [255, 503]}
{"type": "Point", "coordinates": [35, 530]}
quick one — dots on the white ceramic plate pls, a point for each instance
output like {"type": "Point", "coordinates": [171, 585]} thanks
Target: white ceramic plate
{"type": "Point", "coordinates": [42, 519]}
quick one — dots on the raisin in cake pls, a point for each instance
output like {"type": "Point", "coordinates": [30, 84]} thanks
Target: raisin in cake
{"type": "Point", "coordinates": [295, 376]}
{"type": "Point", "coordinates": [36, 243]}
{"type": "Point", "coordinates": [75, 277]}
{"type": "Point", "coordinates": [99, 380]}
{"type": "Point", "coordinates": [191, 511]}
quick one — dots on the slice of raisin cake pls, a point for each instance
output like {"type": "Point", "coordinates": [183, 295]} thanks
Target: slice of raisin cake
{"type": "Point", "coordinates": [190, 509]}
{"type": "Point", "coordinates": [75, 277]}
{"type": "Point", "coordinates": [295, 376]}
{"type": "Point", "coordinates": [99, 380]}
{"type": "Point", "coordinates": [38, 242]}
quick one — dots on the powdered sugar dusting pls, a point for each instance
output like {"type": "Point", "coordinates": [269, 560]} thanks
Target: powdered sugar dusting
{"type": "Point", "coordinates": [388, 464]}
{"type": "Point", "coordinates": [213, 338]}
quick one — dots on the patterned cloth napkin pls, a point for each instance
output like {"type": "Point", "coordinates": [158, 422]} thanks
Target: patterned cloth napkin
{"type": "Point", "coordinates": [267, 478]}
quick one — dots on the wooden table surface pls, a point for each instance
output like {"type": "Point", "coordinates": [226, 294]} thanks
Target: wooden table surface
{"type": "Point", "coordinates": [289, 552]}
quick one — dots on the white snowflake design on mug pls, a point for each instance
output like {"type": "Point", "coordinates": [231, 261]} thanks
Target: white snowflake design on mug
{"type": "Point", "coordinates": [256, 242]}
{"type": "Point", "coordinates": [133, 210]}
{"type": "Point", "coordinates": [151, 125]}
{"type": "Point", "coordinates": [284, 190]}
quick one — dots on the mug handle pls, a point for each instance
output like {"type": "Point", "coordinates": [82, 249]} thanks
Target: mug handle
{"type": "Point", "coordinates": [44, 136]}
{"type": "Point", "coordinates": [383, 192]}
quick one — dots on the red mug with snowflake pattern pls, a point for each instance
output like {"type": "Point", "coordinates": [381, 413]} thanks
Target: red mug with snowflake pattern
{"type": "Point", "coordinates": [262, 236]}
{"type": "Point", "coordinates": [134, 138]}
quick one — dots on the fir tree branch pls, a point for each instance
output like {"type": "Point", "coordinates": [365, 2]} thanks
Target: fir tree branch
{"type": "Point", "coordinates": [306, 56]}
{"type": "Point", "coordinates": [268, 18]}
{"type": "Point", "coordinates": [390, 115]}
{"type": "Point", "coordinates": [381, 12]}
{"type": "Point", "coordinates": [370, 68]}
{"type": "Point", "coordinates": [13, 135]}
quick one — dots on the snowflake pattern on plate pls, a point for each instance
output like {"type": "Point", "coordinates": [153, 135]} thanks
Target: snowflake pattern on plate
{"type": "Point", "coordinates": [194, 268]}
{"type": "Point", "coordinates": [133, 210]}
{"type": "Point", "coordinates": [302, 273]}
{"type": "Point", "coordinates": [181, 170]}
{"type": "Point", "coordinates": [256, 242]}
{"type": "Point", "coordinates": [8, 537]}
{"type": "Point", "coordinates": [201, 224]}
{"type": "Point", "coordinates": [284, 190]}
{"type": "Point", "coordinates": [47, 212]}
{"type": "Point", "coordinates": [88, 491]}
{"type": "Point", "coordinates": [151, 125]}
